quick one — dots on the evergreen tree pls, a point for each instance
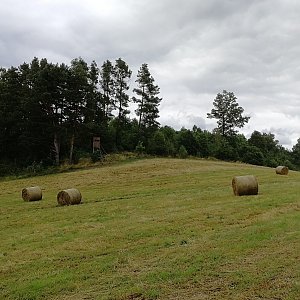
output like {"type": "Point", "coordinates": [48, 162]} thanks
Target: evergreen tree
{"type": "Point", "coordinates": [121, 76]}
{"type": "Point", "coordinates": [228, 113]}
{"type": "Point", "coordinates": [170, 138]}
{"type": "Point", "coordinates": [107, 86]}
{"type": "Point", "coordinates": [93, 94]}
{"type": "Point", "coordinates": [202, 139]}
{"type": "Point", "coordinates": [157, 144]}
{"type": "Point", "coordinates": [147, 99]}
{"type": "Point", "coordinates": [95, 123]}
{"type": "Point", "coordinates": [77, 91]}
{"type": "Point", "coordinates": [11, 114]}
{"type": "Point", "coordinates": [186, 138]}
{"type": "Point", "coordinates": [49, 91]}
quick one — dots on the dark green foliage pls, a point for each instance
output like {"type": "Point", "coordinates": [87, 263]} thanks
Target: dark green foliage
{"type": "Point", "coordinates": [228, 113]}
{"type": "Point", "coordinates": [147, 100]}
{"type": "Point", "coordinates": [8, 168]}
{"type": "Point", "coordinates": [157, 144]}
{"type": "Point", "coordinates": [223, 149]}
{"type": "Point", "coordinates": [121, 75]}
{"type": "Point", "coordinates": [170, 140]}
{"type": "Point", "coordinates": [50, 113]}
{"type": "Point", "coordinates": [140, 148]}
{"type": "Point", "coordinates": [129, 132]}
{"type": "Point", "coordinates": [182, 152]}
{"type": "Point", "coordinates": [268, 146]}
{"type": "Point", "coordinates": [93, 111]}
{"type": "Point", "coordinates": [187, 139]}
{"type": "Point", "coordinates": [202, 139]}
{"type": "Point", "coordinates": [296, 153]}
{"type": "Point", "coordinates": [264, 141]}
{"type": "Point", "coordinates": [96, 156]}
{"type": "Point", "coordinates": [253, 155]}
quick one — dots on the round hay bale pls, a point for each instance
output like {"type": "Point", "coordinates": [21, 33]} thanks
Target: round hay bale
{"type": "Point", "coordinates": [245, 185]}
{"type": "Point", "coordinates": [282, 170]}
{"type": "Point", "coordinates": [69, 197]}
{"type": "Point", "coordinates": [33, 193]}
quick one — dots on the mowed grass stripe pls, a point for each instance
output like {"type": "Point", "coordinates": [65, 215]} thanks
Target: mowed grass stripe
{"type": "Point", "coordinates": [152, 229]}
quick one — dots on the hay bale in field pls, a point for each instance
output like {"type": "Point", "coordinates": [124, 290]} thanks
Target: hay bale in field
{"type": "Point", "coordinates": [69, 197]}
{"type": "Point", "coordinates": [245, 185]}
{"type": "Point", "coordinates": [282, 170]}
{"type": "Point", "coordinates": [33, 193]}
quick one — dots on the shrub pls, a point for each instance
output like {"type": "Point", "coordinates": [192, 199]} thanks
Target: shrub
{"type": "Point", "coordinates": [140, 148]}
{"type": "Point", "coordinates": [182, 153]}
{"type": "Point", "coordinates": [96, 156]}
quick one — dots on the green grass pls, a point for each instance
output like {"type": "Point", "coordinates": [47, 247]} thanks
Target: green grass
{"type": "Point", "coordinates": [152, 229]}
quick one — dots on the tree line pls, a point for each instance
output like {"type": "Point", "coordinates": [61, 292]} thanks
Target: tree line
{"type": "Point", "coordinates": [50, 112]}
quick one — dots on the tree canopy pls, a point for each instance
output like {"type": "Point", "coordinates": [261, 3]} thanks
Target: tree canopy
{"type": "Point", "coordinates": [49, 113]}
{"type": "Point", "coordinates": [228, 113]}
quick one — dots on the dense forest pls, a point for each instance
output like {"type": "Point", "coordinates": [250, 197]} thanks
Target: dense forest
{"type": "Point", "coordinates": [49, 113]}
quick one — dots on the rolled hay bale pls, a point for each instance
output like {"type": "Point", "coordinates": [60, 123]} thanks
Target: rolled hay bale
{"type": "Point", "coordinates": [33, 193]}
{"type": "Point", "coordinates": [69, 197]}
{"type": "Point", "coordinates": [245, 185]}
{"type": "Point", "coordinates": [282, 170]}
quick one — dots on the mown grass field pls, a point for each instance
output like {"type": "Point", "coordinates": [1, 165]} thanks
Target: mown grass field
{"type": "Point", "coordinates": [152, 229]}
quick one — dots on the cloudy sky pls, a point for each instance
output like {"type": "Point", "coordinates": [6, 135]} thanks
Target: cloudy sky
{"type": "Point", "coordinates": [194, 49]}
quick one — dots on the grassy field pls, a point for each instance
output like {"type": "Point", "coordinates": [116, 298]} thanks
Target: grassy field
{"type": "Point", "coordinates": [152, 229]}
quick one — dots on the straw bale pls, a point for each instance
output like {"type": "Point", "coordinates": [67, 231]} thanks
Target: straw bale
{"type": "Point", "coordinates": [282, 170]}
{"type": "Point", "coordinates": [245, 185]}
{"type": "Point", "coordinates": [69, 197]}
{"type": "Point", "coordinates": [33, 193]}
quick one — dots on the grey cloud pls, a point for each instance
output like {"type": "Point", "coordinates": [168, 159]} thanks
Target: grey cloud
{"type": "Point", "coordinates": [283, 135]}
{"type": "Point", "coordinates": [180, 120]}
{"type": "Point", "coordinates": [194, 49]}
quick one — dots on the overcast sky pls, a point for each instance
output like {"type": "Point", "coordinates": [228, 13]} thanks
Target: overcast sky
{"type": "Point", "coordinates": [194, 50]}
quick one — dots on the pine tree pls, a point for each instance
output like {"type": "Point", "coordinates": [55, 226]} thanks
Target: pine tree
{"type": "Point", "coordinates": [77, 91]}
{"type": "Point", "coordinates": [107, 86]}
{"type": "Point", "coordinates": [121, 77]}
{"type": "Point", "coordinates": [228, 113]}
{"type": "Point", "coordinates": [93, 95]}
{"type": "Point", "coordinates": [48, 83]}
{"type": "Point", "coordinates": [147, 99]}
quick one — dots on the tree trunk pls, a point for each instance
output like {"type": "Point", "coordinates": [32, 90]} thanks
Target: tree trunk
{"type": "Point", "coordinates": [142, 107]}
{"type": "Point", "coordinates": [223, 125]}
{"type": "Point", "coordinates": [118, 125]}
{"type": "Point", "coordinates": [71, 148]}
{"type": "Point", "coordinates": [56, 148]}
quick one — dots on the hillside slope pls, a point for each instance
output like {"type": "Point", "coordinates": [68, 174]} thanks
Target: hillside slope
{"type": "Point", "coordinates": [152, 229]}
